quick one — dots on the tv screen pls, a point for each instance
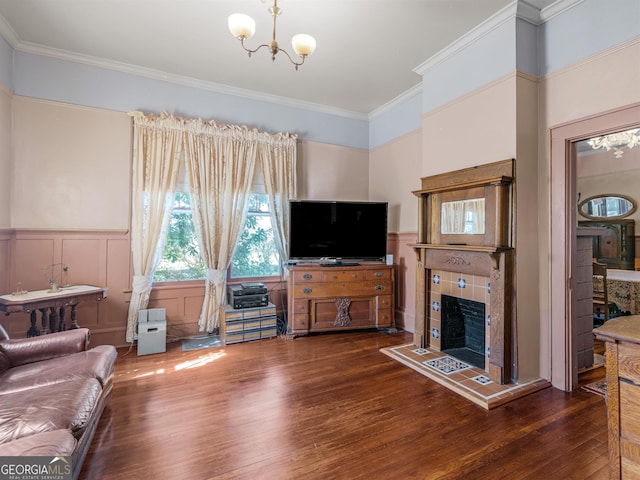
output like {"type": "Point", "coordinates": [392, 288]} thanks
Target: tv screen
{"type": "Point", "coordinates": [347, 230]}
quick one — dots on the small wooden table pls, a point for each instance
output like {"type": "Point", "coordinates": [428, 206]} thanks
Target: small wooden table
{"type": "Point", "coordinates": [51, 305]}
{"type": "Point", "coordinates": [622, 337]}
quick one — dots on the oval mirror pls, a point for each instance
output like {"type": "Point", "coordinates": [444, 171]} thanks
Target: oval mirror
{"type": "Point", "coordinates": [608, 205]}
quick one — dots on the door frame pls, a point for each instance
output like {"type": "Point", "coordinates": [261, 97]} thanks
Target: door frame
{"type": "Point", "coordinates": [563, 202]}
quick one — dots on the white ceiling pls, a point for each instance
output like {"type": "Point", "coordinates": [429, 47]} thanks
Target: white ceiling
{"type": "Point", "coordinates": [366, 53]}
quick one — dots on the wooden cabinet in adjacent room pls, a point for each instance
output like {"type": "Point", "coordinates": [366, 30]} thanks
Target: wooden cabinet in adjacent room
{"type": "Point", "coordinates": [327, 298]}
{"type": "Point", "coordinates": [615, 246]}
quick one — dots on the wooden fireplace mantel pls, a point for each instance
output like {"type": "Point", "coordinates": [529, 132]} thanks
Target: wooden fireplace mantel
{"type": "Point", "coordinates": [462, 255]}
{"type": "Point", "coordinates": [489, 253]}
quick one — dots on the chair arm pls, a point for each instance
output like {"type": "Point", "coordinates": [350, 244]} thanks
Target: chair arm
{"type": "Point", "coordinates": [34, 349]}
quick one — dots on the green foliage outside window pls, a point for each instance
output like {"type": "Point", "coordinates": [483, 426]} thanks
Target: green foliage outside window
{"type": "Point", "coordinates": [256, 254]}
{"type": "Point", "coordinates": [181, 259]}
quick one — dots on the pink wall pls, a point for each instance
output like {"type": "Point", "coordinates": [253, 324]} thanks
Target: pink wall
{"type": "Point", "coordinates": [5, 157]}
{"type": "Point", "coordinates": [71, 167]}
{"type": "Point", "coordinates": [331, 172]}
{"type": "Point", "coordinates": [394, 173]}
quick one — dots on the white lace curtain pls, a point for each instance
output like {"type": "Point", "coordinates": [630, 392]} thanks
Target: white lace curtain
{"type": "Point", "coordinates": [220, 166]}
{"type": "Point", "coordinates": [278, 160]}
{"type": "Point", "coordinates": [157, 150]}
{"type": "Point", "coordinates": [220, 162]}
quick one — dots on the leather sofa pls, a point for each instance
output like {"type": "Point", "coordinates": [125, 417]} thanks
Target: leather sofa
{"type": "Point", "coordinates": [53, 390]}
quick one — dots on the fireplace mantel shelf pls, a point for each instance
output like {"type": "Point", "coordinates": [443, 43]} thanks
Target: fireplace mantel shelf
{"type": "Point", "coordinates": [466, 248]}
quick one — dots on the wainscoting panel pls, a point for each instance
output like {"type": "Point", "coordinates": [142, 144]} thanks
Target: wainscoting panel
{"type": "Point", "coordinates": [93, 257]}
{"type": "Point", "coordinates": [5, 261]}
{"type": "Point", "coordinates": [32, 255]}
{"type": "Point", "coordinates": [104, 258]}
{"type": "Point", "coordinates": [405, 259]}
{"type": "Point", "coordinates": [83, 256]}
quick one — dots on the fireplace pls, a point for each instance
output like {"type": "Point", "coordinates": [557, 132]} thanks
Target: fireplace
{"type": "Point", "coordinates": [468, 269]}
{"type": "Point", "coordinates": [463, 330]}
{"type": "Point", "coordinates": [459, 317]}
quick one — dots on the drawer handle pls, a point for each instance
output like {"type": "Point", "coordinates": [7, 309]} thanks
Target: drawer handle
{"type": "Point", "coordinates": [384, 302]}
{"type": "Point", "coordinates": [306, 290]}
{"type": "Point", "coordinates": [307, 276]}
{"type": "Point", "coordinates": [379, 274]}
{"type": "Point", "coordinates": [379, 287]}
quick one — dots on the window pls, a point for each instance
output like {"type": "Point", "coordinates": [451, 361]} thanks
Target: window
{"type": "Point", "coordinates": [181, 259]}
{"type": "Point", "coordinates": [256, 254]}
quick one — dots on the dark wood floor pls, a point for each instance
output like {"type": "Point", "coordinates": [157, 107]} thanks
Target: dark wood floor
{"type": "Point", "coordinates": [330, 407]}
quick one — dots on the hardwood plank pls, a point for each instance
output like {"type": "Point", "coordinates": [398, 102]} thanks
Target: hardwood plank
{"type": "Point", "coordinates": [330, 406]}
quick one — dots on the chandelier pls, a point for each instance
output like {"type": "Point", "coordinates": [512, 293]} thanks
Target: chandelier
{"type": "Point", "coordinates": [243, 27]}
{"type": "Point", "coordinates": [616, 141]}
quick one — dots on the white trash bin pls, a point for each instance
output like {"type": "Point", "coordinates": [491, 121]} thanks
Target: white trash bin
{"type": "Point", "coordinates": [152, 331]}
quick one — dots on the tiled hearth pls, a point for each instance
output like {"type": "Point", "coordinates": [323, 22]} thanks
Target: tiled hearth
{"type": "Point", "coordinates": [464, 379]}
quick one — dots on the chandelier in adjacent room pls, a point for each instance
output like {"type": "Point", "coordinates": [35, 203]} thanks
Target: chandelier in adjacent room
{"type": "Point", "coordinates": [243, 27]}
{"type": "Point", "coordinates": [616, 141]}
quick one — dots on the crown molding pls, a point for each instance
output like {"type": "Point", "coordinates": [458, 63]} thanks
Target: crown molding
{"type": "Point", "coordinates": [8, 33]}
{"type": "Point", "coordinates": [557, 8]}
{"type": "Point", "coordinates": [412, 92]}
{"type": "Point", "coordinates": [469, 38]}
{"type": "Point", "coordinates": [517, 9]}
{"type": "Point", "coordinates": [35, 49]}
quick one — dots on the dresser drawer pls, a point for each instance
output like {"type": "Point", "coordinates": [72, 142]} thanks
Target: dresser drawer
{"type": "Point", "coordinates": [306, 276]}
{"type": "Point", "coordinates": [378, 274]}
{"type": "Point", "coordinates": [344, 289]}
{"type": "Point", "coordinates": [300, 306]}
{"type": "Point", "coordinates": [384, 318]}
{"type": "Point", "coordinates": [333, 275]}
{"type": "Point", "coordinates": [300, 322]}
{"type": "Point", "coordinates": [384, 301]}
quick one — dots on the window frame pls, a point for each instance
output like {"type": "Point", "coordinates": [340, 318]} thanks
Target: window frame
{"type": "Point", "coordinates": [268, 278]}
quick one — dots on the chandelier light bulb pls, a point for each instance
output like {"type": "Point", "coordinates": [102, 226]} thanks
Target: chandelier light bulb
{"type": "Point", "coordinates": [241, 25]}
{"type": "Point", "coordinates": [303, 44]}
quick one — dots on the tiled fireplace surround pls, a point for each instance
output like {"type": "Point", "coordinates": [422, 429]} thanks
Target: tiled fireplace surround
{"type": "Point", "coordinates": [461, 286]}
{"type": "Point", "coordinates": [472, 273]}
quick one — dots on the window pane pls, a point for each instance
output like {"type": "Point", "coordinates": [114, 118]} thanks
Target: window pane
{"type": "Point", "coordinates": [256, 254]}
{"type": "Point", "coordinates": [181, 259]}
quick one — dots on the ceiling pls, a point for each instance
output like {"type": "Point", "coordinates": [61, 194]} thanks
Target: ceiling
{"type": "Point", "coordinates": [365, 56]}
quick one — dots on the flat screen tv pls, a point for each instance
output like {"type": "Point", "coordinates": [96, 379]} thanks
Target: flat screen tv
{"type": "Point", "coordinates": [337, 230]}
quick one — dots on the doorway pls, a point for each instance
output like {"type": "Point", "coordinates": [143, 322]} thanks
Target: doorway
{"type": "Point", "coordinates": [563, 202]}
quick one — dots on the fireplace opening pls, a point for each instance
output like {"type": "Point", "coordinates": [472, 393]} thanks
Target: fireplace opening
{"type": "Point", "coordinates": [463, 333]}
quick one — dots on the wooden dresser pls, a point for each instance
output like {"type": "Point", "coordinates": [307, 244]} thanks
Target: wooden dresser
{"type": "Point", "coordinates": [615, 244]}
{"type": "Point", "coordinates": [326, 298]}
{"type": "Point", "coordinates": [622, 337]}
